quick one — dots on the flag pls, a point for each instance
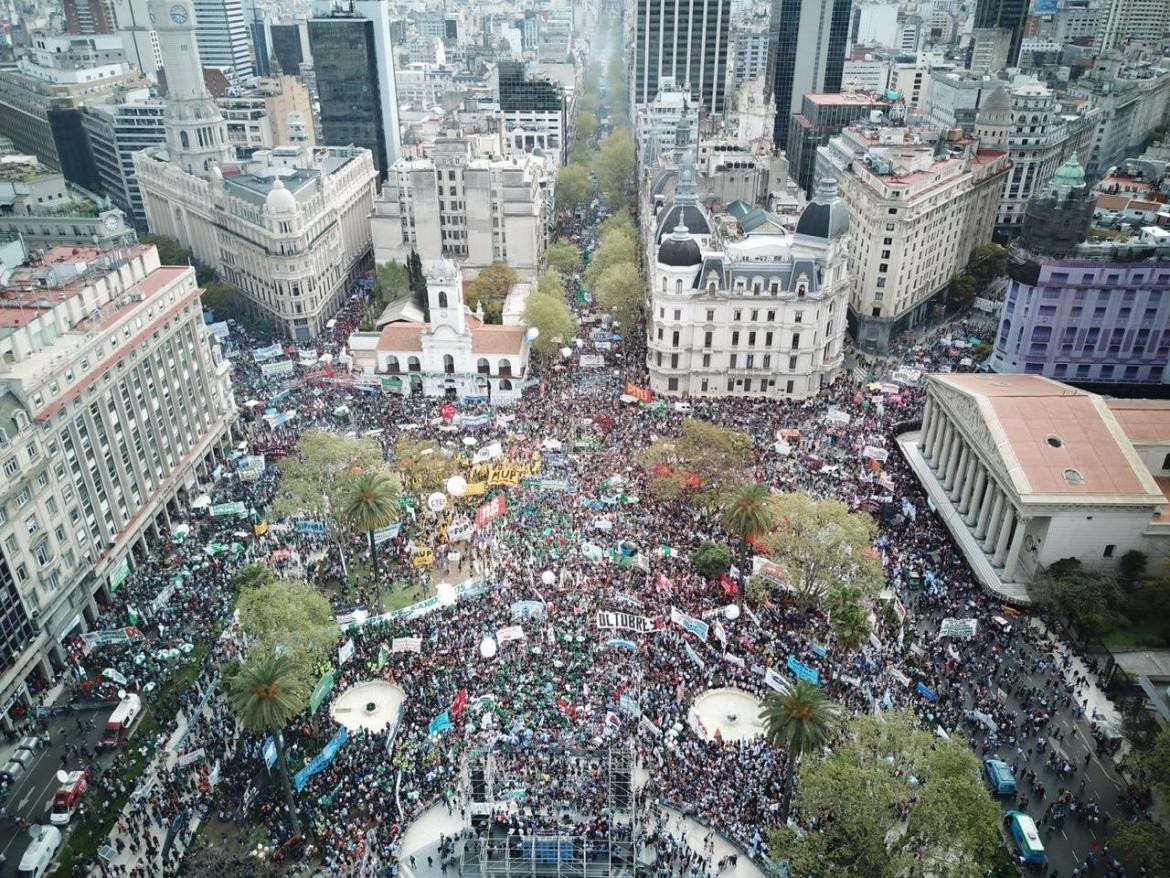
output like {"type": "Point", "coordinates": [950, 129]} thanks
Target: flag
{"type": "Point", "coordinates": [665, 583]}
{"type": "Point", "coordinates": [667, 552]}
{"type": "Point", "coordinates": [728, 584]}
{"type": "Point", "coordinates": [459, 703]}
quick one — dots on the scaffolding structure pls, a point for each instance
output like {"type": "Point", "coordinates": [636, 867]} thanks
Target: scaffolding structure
{"type": "Point", "coordinates": [492, 851]}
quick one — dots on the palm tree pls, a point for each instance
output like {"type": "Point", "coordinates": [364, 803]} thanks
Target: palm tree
{"type": "Point", "coordinates": [852, 627]}
{"type": "Point", "coordinates": [746, 513]}
{"type": "Point", "coordinates": [266, 693]}
{"type": "Point", "coordinates": [799, 719]}
{"type": "Point", "coordinates": [370, 503]}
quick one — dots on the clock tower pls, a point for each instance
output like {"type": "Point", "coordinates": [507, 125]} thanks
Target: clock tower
{"type": "Point", "coordinates": [196, 133]}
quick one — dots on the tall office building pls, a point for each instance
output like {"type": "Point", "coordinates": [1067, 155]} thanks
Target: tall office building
{"type": "Point", "coordinates": [1128, 21]}
{"type": "Point", "coordinates": [289, 45]}
{"type": "Point", "coordinates": [1006, 14]}
{"type": "Point", "coordinates": [86, 17]}
{"type": "Point", "coordinates": [222, 34]}
{"type": "Point", "coordinates": [684, 41]}
{"type": "Point", "coordinates": [353, 57]}
{"type": "Point", "coordinates": [133, 27]}
{"type": "Point", "coordinates": [810, 54]}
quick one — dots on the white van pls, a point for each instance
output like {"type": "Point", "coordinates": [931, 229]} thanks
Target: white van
{"type": "Point", "coordinates": [683, 407]}
{"type": "Point", "coordinates": [39, 854]}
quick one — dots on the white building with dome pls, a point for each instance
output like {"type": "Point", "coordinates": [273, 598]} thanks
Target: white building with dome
{"type": "Point", "coordinates": [745, 306]}
{"type": "Point", "coordinates": [289, 227]}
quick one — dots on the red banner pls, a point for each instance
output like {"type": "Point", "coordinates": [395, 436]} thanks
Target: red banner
{"type": "Point", "coordinates": [459, 703]}
{"type": "Point", "coordinates": [664, 583]}
{"type": "Point", "coordinates": [728, 585]}
{"type": "Point", "coordinates": [490, 511]}
{"type": "Point", "coordinates": [446, 410]}
{"type": "Point", "coordinates": [640, 393]}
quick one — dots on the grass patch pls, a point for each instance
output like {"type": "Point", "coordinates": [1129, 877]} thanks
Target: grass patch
{"type": "Point", "coordinates": [401, 595]}
{"type": "Point", "coordinates": [1143, 636]}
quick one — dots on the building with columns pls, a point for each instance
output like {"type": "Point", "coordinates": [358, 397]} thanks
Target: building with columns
{"type": "Point", "coordinates": [1026, 471]}
{"type": "Point", "coordinates": [115, 403]}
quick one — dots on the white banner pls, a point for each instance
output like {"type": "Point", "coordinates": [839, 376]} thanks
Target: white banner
{"type": "Point", "coordinates": [345, 652]}
{"type": "Point", "coordinates": [406, 644]}
{"type": "Point", "coordinates": [489, 452]}
{"type": "Point", "coordinates": [592, 361]}
{"type": "Point", "coordinates": [460, 529]}
{"type": "Point", "coordinates": [774, 680]}
{"type": "Point", "coordinates": [624, 621]}
{"type": "Point", "coordinates": [875, 453]}
{"type": "Point", "coordinates": [192, 756]}
{"type": "Point", "coordinates": [509, 633]}
{"type": "Point", "coordinates": [899, 676]}
{"type": "Point", "coordinates": [964, 629]}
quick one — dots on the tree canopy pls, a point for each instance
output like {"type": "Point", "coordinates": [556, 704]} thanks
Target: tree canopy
{"type": "Point", "coordinates": [490, 288]}
{"type": "Point", "coordinates": [1086, 599]}
{"type": "Point", "coordinates": [424, 465]}
{"type": "Point", "coordinates": [711, 559]}
{"type": "Point", "coordinates": [391, 280]}
{"type": "Point", "coordinates": [820, 543]}
{"type": "Point", "coordinates": [621, 292]}
{"type": "Point", "coordinates": [951, 820]}
{"type": "Point", "coordinates": [572, 186]}
{"type": "Point", "coordinates": [701, 463]}
{"type": "Point", "coordinates": [551, 284]}
{"type": "Point", "coordinates": [616, 248]}
{"type": "Point", "coordinates": [551, 315]}
{"type": "Point", "coordinates": [614, 164]}
{"type": "Point", "coordinates": [563, 257]}
{"type": "Point", "coordinates": [288, 617]}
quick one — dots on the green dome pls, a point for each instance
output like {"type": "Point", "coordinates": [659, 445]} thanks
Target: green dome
{"type": "Point", "coordinates": [1070, 175]}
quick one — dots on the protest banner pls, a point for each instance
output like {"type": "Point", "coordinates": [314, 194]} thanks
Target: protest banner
{"type": "Point", "coordinates": [308, 526]}
{"type": "Point", "coordinates": [321, 690]}
{"type": "Point", "coordinates": [321, 760]}
{"type": "Point", "coordinates": [875, 453]}
{"type": "Point", "coordinates": [528, 610]}
{"type": "Point", "coordinates": [642, 394]}
{"type": "Point", "coordinates": [963, 629]}
{"type": "Point", "coordinates": [697, 627]}
{"type": "Point", "coordinates": [694, 656]}
{"type": "Point", "coordinates": [191, 756]}
{"type": "Point", "coordinates": [406, 644]}
{"type": "Point", "coordinates": [345, 652]}
{"type": "Point", "coordinates": [490, 511]}
{"type": "Point", "coordinates": [234, 508]}
{"type": "Point", "coordinates": [803, 671]}
{"type": "Point", "coordinates": [509, 633]}
{"type": "Point", "coordinates": [624, 621]}
{"type": "Point", "coordinates": [422, 556]}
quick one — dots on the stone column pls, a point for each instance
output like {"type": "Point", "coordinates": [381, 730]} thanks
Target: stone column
{"type": "Point", "coordinates": [1013, 555]}
{"type": "Point", "coordinates": [1005, 534]}
{"type": "Point", "coordinates": [944, 448]}
{"type": "Point", "coordinates": [968, 479]}
{"type": "Point", "coordinates": [957, 458]}
{"type": "Point", "coordinates": [927, 423]}
{"type": "Point", "coordinates": [937, 422]}
{"type": "Point", "coordinates": [976, 502]}
{"type": "Point", "coordinates": [993, 522]}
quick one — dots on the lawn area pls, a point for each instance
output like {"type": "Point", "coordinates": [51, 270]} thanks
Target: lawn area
{"type": "Point", "coordinates": [1144, 636]}
{"type": "Point", "coordinates": [401, 595]}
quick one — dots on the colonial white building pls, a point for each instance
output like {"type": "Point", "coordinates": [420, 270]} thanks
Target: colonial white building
{"type": "Point", "coordinates": [456, 355]}
{"type": "Point", "coordinates": [1026, 471]}
{"type": "Point", "coordinates": [290, 228]}
{"type": "Point", "coordinates": [455, 205]}
{"type": "Point", "coordinates": [760, 313]}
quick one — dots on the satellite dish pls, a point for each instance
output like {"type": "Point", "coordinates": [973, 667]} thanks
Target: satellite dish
{"type": "Point", "coordinates": [62, 776]}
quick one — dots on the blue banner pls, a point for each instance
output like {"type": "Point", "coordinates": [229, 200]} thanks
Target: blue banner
{"type": "Point", "coordinates": [819, 650]}
{"type": "Point", "coordinates": [262, 354]}
{"type": "Point", "coordinates": [440, 723]}
{"type": "Point", "coordinates": [624, 644]}
{"type": "Point", "coordinates": [527, 610]}
{"type": "Point", "coordinates": [803, 671]}
{"type": "Point", "coordinates": [308, 526]}
{"type": "Point", "coordinates": [277, 397]}
{"type": "Point", "coordinates": [925, 691]}
{"type": "Point", "coordinates": [322, 759]}
{"type": "Point", "coordinates": [269, 752]}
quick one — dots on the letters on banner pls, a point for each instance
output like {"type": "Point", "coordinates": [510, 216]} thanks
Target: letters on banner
{"type": "Point", "coordinates": [490, 511]}
{"type": "Point", "coordinates": [697, 627]}
{"type": "Point", "coordinates": [509, 633]}
{"type": "Point", "coordinates": [406, 644]}
{"type": "Point", "coordinates": [625, 621]}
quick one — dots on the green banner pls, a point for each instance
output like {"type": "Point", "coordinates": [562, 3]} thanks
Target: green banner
{"type": "Point", "coordinates": [235, 508]}
{"type": "Point", "coordinates": [119, 574]}
{"type": "Point", "coordinates": [324, 685]}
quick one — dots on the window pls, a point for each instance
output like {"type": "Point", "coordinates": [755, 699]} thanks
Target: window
{"type": "Point", "coordinates": [42, 553]}
{"type": "Point", "coordinates": [734, 339]}
{"type": "Point", "coordinates": [795, 340]}
{"type": "Point", "coordinates": [710, 315]}
{"type": "Point", "coordinates": [672, 384]}
{"type": "Point", "coordinates": [1108, 553]}
{"type": "Point", "coordinates": [792, 364]}
{"type": "Point", "coordinates": [731, 362]}
{"type": "Point", "coordinates": [11, 466]}
{"type": "Point", "coordinates": [23, 497]}
{"type": "Point", "coordinates": [31, 524]}
{"type": "Point", "coordinates": [788, 387]}
{"type": "Point", "coordinates": [798, 317]}
{"type": "Point", "coordinates": [707, 337]}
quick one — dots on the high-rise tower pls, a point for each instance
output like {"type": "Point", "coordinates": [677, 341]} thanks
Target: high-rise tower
{"type": "Point", "coordinates": [685, 41]}
{"type": "Point", "coordinates": [809, 37]}
{"type": "Point", "coordinates": [196, 133]}
{"type": "Point", "coordinates": [1007, 15]}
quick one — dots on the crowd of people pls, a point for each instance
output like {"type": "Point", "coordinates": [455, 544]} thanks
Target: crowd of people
{"type": "Point", "coordinates": [565, 684]}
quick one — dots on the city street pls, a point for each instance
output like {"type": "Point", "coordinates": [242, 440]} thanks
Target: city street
{"type": "Point", "coordinates": [31, 797]}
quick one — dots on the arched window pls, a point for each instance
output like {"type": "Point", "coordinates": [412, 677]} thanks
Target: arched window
{"type": "Point", "coordinates": [664, 285]}
{"type": "Point", "coordinates": [482, 366]}
{"type": "Point", "coordinates": [678, 285]}
{"type": "Point", "coordinates": [184, 141]}
{"type": "Point", "coordinates": [442, 298]}
{"type": "Point", "coordinates": [505, 384]}
{"type": "Point", "coordinates": [800, 291]}
{"type": "Point", "coordinates": [413, 364]}
{"type": "Point", "coordinates": [392, 364]}
{"type": "Point", "coordinates": [505, 367]}
{"type": "Point", "coordinates": [448, 364]}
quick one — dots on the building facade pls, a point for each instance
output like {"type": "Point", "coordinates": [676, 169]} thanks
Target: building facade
{"type": "Point", "coordinates": [1026, 471]}
{"type": "Point", "coordinates": [114, 131]}
{"type": "Point", "coordinates": [757, 314]}
{"type": "Point", "coordinates": [353, 68]}
{"type": "Point", "coordinates": [275, 111]}
{"type": "Point", "coordinates": [917, 210]}
{"type": "Point", "coordinates": [810, 54]}
{"type": "Point", "coordinates": [115, 403]}
{"type": "Point", "coordinates": [222, 33]}
{"type": "Point", "coordinates": [1005, 15]}
{"type": "Point", "coordinates": [534, 113]}
{"type": "Point", "coordinates": [684, 42]}
{"type": "Point", "coordinates": [475, 211]}
{"type": "Point", "coordinates": [1088, 311]}
{"type": "Point", "coordinates": [821, 117]}
{"type": "Point", "coordinates": [455, 356]}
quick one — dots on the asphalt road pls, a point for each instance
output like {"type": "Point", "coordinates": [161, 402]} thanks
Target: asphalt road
{"type": "Point", "coordinates": [31, 796]}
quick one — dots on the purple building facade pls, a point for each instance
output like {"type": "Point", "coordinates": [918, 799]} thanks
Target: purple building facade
{"type": "Point", "coordinates": [1102, 319]}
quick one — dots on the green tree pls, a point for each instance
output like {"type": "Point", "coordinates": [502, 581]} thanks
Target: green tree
{"type": "Point", "coordinates": [1151, 764]}
{"type": "Point", "coordinates": [1085, 599]}
{"type": "Point", "coordinates": [267, 692]}
{"type": "Point", "coordinates": [961, 291]}
{"type": "Point", "coordinates": [572, 186]}
{"type": "Point", "coordinates": [620, 291]}
{"type": "Point", "coordinates": [702, 463]}
{"type": "Point", "coordinates": [820, 543]}
{"type": "Point", "coordinates": [491, 287]}
{"type": "Point", "coordinates": [1131, 567]}
{"type": "Point", "coordinates": [370, 503]}
{"type": "Point", "coordinates": [616, 248]}
{"type": "Point", "coordinates": [586, 124]}
{"type": "Point", "coordinates": [424, 464]}
{"type": "Point", "coordinates": [253, 575]}
{"type": "Point", "coordinates": [418, 283]}
{"type": "Point", "coordinates": [551, 315]}
{"type": "Point", "coordinates": [614, 165]}
{"type": "Point", "coordinates": [288, 617]}
{"type": "Point", "coordinates": [951, 827]}
{"type": "Point", "coordinates": [170, 251]}
{"type": "Point", "coordinates": [987, 262]}
{"type": "Point", "coordinates": [617, 222]}
{"type": "Point", "coordinates": [391, 280]}
{"type": "Point", "coordinates": [1142, 844]}
{"type": "Point", "coordinates": [551, 284]}
{"type": "Point", "coordinates": [800, 720]}
{"type": "Point", "coordinates": [562, 257]}
{"type": "Point", "coordinates": [711, 560]}
{"type": "Point", "coordinates": [746, 510]}
{"type": "Point", "coordinates": [981, 351]}
{"type": "Point", "coordinates": [315, 477]}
